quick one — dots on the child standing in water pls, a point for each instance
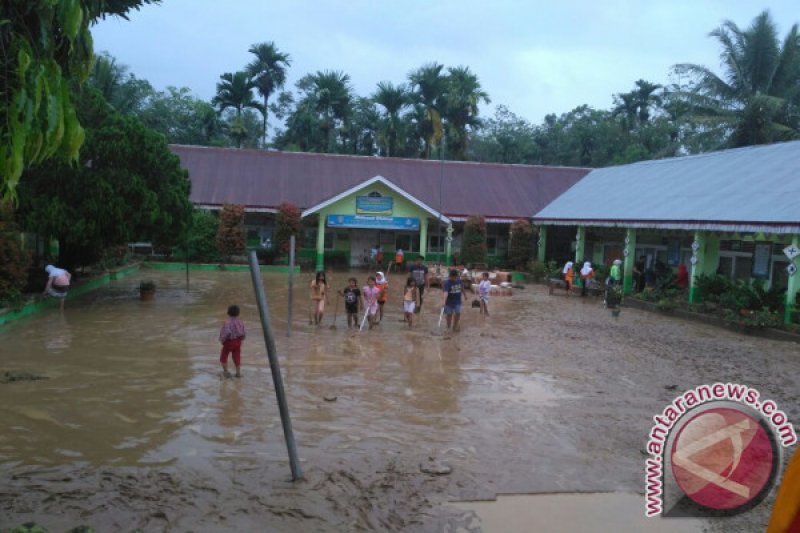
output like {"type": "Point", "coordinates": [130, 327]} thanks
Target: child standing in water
{"type": "Point", "coordinates": [231, 336]}
{"type": "Point", "coordinates": [383, 285]}
{"type": "Point", "coordinates": [484, 288]}
{"type": "Point", "coordinates": [410, 296]}
{"type": "Point", "coordinates": [452, 295]}
{"type": "Point", "coordinates": [370, 293]}
{"type": "Point", "coordinates": [352, 297]}
{"type": "Point", "coordinates": [319, 295]}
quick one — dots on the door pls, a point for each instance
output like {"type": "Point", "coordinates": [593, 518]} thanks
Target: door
{"type": "Point", "coordinates": [361, 242]}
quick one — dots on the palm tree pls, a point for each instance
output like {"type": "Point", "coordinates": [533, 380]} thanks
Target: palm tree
{"type": "Point", "coordinates": [393, 99]}
{"type": "Point", "coordinates": [236, 91]}
{"type": "Point", "coordinates": [757, 98]}
{"type": "Point", "coordinates": [119, 87]}
{"type": "Point", "coordinates": [332, 98]}
{"type": "Point", "coordinates": [636, 105]}
{"type": "Point", "coordinates": [429, 87]}
{"type": "Point", "coordinates": [461, 100]}
{"type": "Point", "coordinates": [268, 72]}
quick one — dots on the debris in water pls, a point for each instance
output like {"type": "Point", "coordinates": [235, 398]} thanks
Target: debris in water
{"type": "Point", "coordinates": [330, 398]}
{"type": "Point", "coordinates": [435, 468]}
{"type": "Point", "coordinates": [670, 387]}
{"type": "Point", "coordinates": [8, 377]}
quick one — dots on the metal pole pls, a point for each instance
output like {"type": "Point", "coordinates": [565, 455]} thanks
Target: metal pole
{"type": "Point", "coordinates": [277, 379]}
{"type": "Point", "coordinates": [441, 185]}
{"type": "Point", "coordinates": [291, 285]}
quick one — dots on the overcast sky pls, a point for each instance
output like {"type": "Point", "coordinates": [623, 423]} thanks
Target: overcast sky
{"type": "Point", "coordinates": [535, 57]}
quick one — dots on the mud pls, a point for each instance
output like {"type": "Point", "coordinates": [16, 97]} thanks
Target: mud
{"type": "Point", "coordinates": [135, 428]}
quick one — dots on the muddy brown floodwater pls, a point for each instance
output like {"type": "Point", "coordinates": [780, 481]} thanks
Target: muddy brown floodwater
{"type": "Point", "coordinates": [133, 426]}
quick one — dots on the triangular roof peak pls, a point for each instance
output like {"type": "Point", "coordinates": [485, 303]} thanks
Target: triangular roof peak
{"type": "Point", "coordinates": [372, 181]}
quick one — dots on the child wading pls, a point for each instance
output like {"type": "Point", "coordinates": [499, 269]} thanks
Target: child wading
{"type": "Point", "coordinates": [452, 296]}
{"type": "Point", "coordinates": [410, 296]}
{"type": "Point", "coordinates": [319, 295]}
{"type": "Point", "coordinates": [231, 336]}
{"type": "Point", "coordinates": [383, 285]}
{"type": "Point", "coordinates": [484, 288]}
{"type": "Point", "coordinates": [569, 275]}
{"type": "Point", "coordinates": [370, 293]}
{"type": "Point", "coordinates": [352, 297]}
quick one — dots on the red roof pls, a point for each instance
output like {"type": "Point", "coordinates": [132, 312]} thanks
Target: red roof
{"type": "Point", "coordinates": [264, 179]}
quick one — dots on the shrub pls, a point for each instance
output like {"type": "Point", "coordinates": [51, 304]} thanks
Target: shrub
{"type": "Point", "coordinates": [538, 270]}
{"type": "Point", "coordinates": [473, 243]}
{"type": "Point", "coordinates": [201, 239]}
{"type": "Point", "coordinates": [14, 259]}
{"type": "Point", "coordinates": [288, 223]}
{"type": "Point", "coordinates": [230, 235]}
{"type": "Point", "coordinates": [147, 285]}
{"type": "Point", "coordinates": [712, 287]}
{"type": "Point", "coordinates": [521, 249]}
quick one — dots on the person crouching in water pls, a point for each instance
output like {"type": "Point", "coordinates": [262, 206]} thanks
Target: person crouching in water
{"type": "Point", "coordinates": [319, 295]}
{"type": "Point", "coordinates": [352, 297]}
{"type": "Point", "coordinates": [410, 297]}
{"type": "Point", "coordinates": [231, 336]}
{"type": "Point", "coordinates": [452, 296]}
{"type": "Point", "coordinates": [370, 293]}
{"type": "Point", "coordinates": [484, 288]}
{"type": "Point", "coordinates": [57, 283]}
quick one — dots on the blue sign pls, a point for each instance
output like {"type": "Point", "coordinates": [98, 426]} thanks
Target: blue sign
{"type": "Point", "coordinates": [372, 222]}
{"type": "Point", "coordinates": [374, 205]}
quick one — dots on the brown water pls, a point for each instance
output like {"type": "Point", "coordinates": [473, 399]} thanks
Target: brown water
{"type": "Point", "coordinates": [135, 427]}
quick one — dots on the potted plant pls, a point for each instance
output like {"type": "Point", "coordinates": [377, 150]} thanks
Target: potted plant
{"type": "Point", "coordinates": [147, 290]}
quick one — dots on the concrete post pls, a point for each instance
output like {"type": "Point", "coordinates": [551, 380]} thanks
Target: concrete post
{"type": "Point", "coordinates": [629, 254]}
{"type": "Point", "coordinates": [794, 285]}
{"type": "Point", "coordinates": [448, 245]}
{"type": "Point", "coordinates": [580, 246]}
{"type": "Point", "coordinates": [698, 264]}
{"type": "Point", "coordinates": [423, 236]}
{"type": "Point", "coordinates": [540, 254]}
{"type": "Point", "coordinates": [711, 257]}
{"type": "Point", "coordinates": [321, 243]}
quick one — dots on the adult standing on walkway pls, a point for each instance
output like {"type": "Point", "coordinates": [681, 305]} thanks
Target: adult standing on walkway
{"type": "Point", "coordinates": [419, 272]}
{"type": "Point", "coordinates": [58, 281]}
{"type": "Point", "coordinates": [587, 273]}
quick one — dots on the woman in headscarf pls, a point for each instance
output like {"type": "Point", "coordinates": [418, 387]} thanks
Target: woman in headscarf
{"type": "Point", "coordinates": [587, 273]}
{"type": "Point", "coordinates": [569, 275]}
{"type": "Point", "coordinates": [383, 285]}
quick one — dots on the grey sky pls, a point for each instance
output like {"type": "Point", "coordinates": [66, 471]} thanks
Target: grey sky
{"type": "Point", "coordinates": [536, 57]}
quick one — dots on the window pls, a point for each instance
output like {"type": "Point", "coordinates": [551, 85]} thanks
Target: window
{"type": "Point", "coordinates": [309, 239]}
{"type": "Point", "coordinates": [436, 245]}
{"type": "Point", "coordinates": [491, 245]}
{"type": "Point", "coordinates": [407, 242]}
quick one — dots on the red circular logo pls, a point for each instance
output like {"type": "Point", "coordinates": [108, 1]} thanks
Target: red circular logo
{"type": "Point", "coordinates": [722, 458]}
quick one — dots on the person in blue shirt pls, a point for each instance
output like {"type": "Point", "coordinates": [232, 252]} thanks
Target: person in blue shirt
{"type": "Point", "coordinates": [452, 296]}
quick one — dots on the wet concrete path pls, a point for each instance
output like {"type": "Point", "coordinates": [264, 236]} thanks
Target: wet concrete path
{"type": "Point", "coordinates": [134, 426]}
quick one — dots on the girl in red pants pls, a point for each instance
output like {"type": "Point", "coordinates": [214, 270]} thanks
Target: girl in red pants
{"type": "Point", "coordinates": [231, 336]}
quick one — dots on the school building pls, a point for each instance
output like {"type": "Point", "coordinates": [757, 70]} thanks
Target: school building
{"type": "Point", "coordinates": [734, 212]}
{"type": "Point", "coordinates": [350, 204]}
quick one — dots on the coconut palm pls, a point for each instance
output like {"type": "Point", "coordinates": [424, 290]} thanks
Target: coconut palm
{"type": "Point", "coordinates": [268, 72]}
{"type": "Point", "coordinates": [461, 100]}
{"type": "Point", "coordinates": [428, 88]}
{"type": "Point", "coordinates": [757, 97]}
{"type": "Point", "coordinates": [235, 91]}
{"type": "Point", "coordinates": [393, 98]}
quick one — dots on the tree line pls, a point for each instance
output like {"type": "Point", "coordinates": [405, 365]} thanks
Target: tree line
{"type": "Point", "coordinates": [434, 112]}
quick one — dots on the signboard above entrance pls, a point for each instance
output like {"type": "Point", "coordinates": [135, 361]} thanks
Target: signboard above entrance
{"type": "Point", "coordinates": [372, 222]}
{"type": "Point", "coordinates": [374, 205]}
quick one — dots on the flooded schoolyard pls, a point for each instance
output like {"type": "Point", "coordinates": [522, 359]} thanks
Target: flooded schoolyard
{"type": "Point", "coordinates": [132, 425]}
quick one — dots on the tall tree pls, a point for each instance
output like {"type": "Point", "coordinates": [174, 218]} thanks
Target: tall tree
{"type": "Point", "coordinates": [45, 47]}
{"type": "Point", "coordinates": [461, 99]}
{"type": "Point", "coordinates": [428, 86]}
{"type": "Point", "coordinates": [235, 91]}
{"type": "Point", "coordinates": [393, 99]}
{"type": "Point", "coordinates": [268, 72]}
{"type": "Point", "coordinates": [118, 86]}
{"type": "Point", "coordinates": [330, 94]}
{"type": "Point", "coordinates": [757, 96]}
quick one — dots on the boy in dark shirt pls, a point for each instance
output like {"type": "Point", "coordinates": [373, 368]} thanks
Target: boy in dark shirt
{"type": "Point", "coordinates": [452, 296]}
{"type": "Point", "coordinates": [352, 297]}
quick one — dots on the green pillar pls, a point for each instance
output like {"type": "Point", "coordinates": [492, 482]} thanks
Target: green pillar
{"type": "Point", "coordinates": [540, 254]}
{"type": "Point", "coordinates": [698, 264]}
{"type": "Point", "coordinates": [629, 253]}
{"type": "Point", "coordinates": [580, 246]}
{"type": "Point", "coordinates": [794, 284]}
{"type": "Point", "coordinates": [321, 243]}
{"type": "Point", "coordinates": [423, 236]}
{"type": "Point", "coordinates": [448, 245]}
